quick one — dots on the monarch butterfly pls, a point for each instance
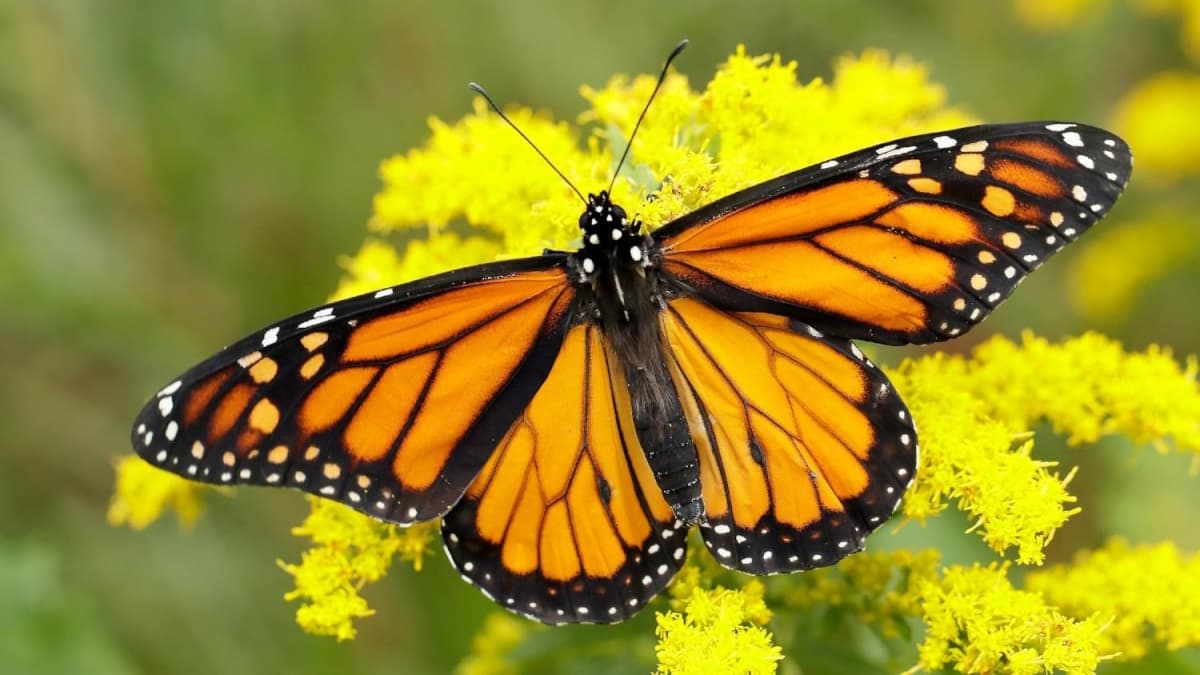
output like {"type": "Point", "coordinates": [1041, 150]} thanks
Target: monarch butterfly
{"type": "Point", "coordinates": [571, 416]}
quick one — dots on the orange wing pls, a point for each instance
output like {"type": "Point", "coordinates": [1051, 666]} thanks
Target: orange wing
{"type": "Point", "coordinates": [565, 522]}
{"type": "Point", "coordinates": [914, 241]}
{"type": "Point", "coordinates": [804, 446]}
{"type": "Point", "coordinates": [390, 402]}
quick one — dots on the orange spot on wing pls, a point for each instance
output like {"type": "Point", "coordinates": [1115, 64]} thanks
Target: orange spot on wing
{"type": "Point", "coordinates": [970, 163]}
{"type": "Point", "coordinates": [842, 373]}
{"type": "Point", "coordinates": [383, 413]}
{"type": "Point", "coordinates": [1027, 178]}
{"type": "Point", "coordinates": [998, 201]}
{"type": "Point", "coordinates": [1037, 150]}
{"type": "Point", "coordinates": [264, 370]}
{"type": "Point", "coordinates": [1029, 213]}
{"type": "Point", "coordinates": [937, 223]}
{"type": "Point", "coordinates": [500, 483]}
{"type": "Point", "coordinates": [558, 411]}
{"type": "Point", "coordinates": [227, 412]}
{"type": "Point", "coordinates": [599, 546]}
{"type": "Point", "coordinates": [788, 216]}
{"type": "Point", "coordinates": [559, 559]}
{"type": "Point", "coordinates": [312, 341]}
{"type": "Point", "coordinates": [794, 501]}
{"type": "Point", "coordinates": [927, 186]}
{"type": "Point", "coordinates": [519, 554]}
{"type": "Point", "coordinates": [247, 440]}
{"type": "Point", "coordinates": [473, 370]}
{"type": "Point", "coordinates": [311, 366]}
{"type": "Point", "coordinates": [827, 407]}
{"type": "Point", "coordinates": [332, 398]}
{"type": "Point", "coordinates": [264, 416]}
{"type": "Point", "coordinates": [891, 255]}
{"type": "Point", "coordinates": [448, 315]}
{"type": "Point", "coordinates": [828, 283]}
{"type": "Point", "coordinates": [202, 395]}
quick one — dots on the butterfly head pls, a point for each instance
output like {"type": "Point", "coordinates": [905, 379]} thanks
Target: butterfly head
{"type": "Point", "coordinates": [610, 237]}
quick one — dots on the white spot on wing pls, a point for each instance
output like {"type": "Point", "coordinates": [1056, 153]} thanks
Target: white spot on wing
{"type": "Point", "coordinates": [898, 151]}
{"type": "Point", "coordinates": [316, 320]}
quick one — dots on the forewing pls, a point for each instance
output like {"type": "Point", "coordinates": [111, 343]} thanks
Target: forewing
{"type": "Point", "coordinates": [911, 242]}
{"type": "Point", "coordinates": [804, 446]}
{"type": "Point", "coordinates": [390, 402]}
{"type": "Point", "coordinates": [565, 522]}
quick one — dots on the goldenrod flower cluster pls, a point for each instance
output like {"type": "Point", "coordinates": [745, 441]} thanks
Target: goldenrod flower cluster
{"type": "Point", "coordinates": [976, 622]}
{"type": "Point", "coordinates": [975, 415]}
{"type": "Point", "coordinates": [1147, 595]}
{"type": "Point", "coordinates": [143, 492]}
{"type": "Point", "coordinates": [475, 192]}
{"type": "Point", "coordinates": [720, 632]}
{"type": "Point", "coordinates": [349, 550]}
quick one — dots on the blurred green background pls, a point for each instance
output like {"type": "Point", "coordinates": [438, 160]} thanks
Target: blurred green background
{"type": "Point", "coordinates": [175, 174]}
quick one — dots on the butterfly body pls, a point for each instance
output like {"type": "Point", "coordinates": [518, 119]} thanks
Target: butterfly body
{"type": "Point", "coordinates": [624, 293]}
{"type": "Point", "coordinates": [570, 416]}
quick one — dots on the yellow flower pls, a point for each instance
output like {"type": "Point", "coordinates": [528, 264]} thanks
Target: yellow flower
{"type": "Point", "coordinates": [475, 192]}
{"type": "Point", "coordinates": [349, 551]}
{"type": "Point", "coordinates": [971, 411]}
{"type": "Point", "coordinates": [880, 589]}
{"type": "Point", "coordinates": [1148, 595]}
{"type": "Point", "coordinates": [1157, 118]}
{"type": "Point", "coordinates": [1089, 387]}
{"type": "Point", "coordinates": [143, 492]}
{"type": "Point", "coordinates": [976, 622]}
{"type": "Point", "coordinates": [1144, 252]}
{"type": "Point", "coordinates": [969, 456]}
{"type": "Point", "coordinates": [718, 631]}
{"type": "Point", "coordinates": [709, 143]}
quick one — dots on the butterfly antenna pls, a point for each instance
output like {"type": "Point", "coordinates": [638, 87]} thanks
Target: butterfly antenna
{"type": "Point", "coordinates": [662, 76]}
{"type": "Point", "coordinates": [479, 90]}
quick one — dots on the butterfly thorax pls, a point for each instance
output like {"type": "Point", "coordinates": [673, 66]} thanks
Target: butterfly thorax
{"type": "Point", "coordinates": [616, 273]}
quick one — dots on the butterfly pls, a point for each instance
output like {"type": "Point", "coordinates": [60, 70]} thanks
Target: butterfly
{"type": "Point", "coordinates": [570, 417]}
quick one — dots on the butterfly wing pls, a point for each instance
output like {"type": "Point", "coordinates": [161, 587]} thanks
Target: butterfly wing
{"type": "Point", "coordinates": [910, 242]}
{"type": "Point", "coordinates": [804, 446]}
{"type": "Point", "coordinates": [565, 523]}
{"type": "Point", "coordinates": [390, 402]}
